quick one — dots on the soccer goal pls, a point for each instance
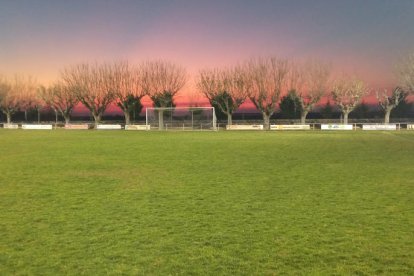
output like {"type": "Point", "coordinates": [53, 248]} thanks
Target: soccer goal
{"type": "Point", "coordinates": [181, 118]}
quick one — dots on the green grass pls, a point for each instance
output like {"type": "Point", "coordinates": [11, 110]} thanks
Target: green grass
{"type": "Point", "coordinates": [254, 203]}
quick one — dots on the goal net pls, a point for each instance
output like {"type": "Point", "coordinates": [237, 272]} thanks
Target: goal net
{"type": "Point", "coordinates": [181, 118]}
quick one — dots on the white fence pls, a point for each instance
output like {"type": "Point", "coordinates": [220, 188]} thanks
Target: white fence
{"type": "Point", "coordinates": [256, 127]}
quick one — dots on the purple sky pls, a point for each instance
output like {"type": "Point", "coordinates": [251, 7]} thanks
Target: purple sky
{"type": "Point", "coordinates": [365, 37]}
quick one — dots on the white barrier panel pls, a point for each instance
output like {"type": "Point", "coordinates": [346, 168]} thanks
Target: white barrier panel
{"type": "Point", "coordinates": [410, 127]}
{"type": "Point", "coordinates": [78, 126]}
{"type": "Point", "coordinates": [336, 127]}
{"type": "Point", "coordinates": [37, 127]}
{"type": "Point", "coordinates": [289, 127]}
{"type": "Point", "coordinates": [109, 127]}
{"type": "Point", "coordinates": [137, 127]}
{"type": "Point", "coordinates": [379, 127]}
{"type": "Point", "coordinates": [11, 126]}
{"type": "Point", "coordinates": [244, 127]}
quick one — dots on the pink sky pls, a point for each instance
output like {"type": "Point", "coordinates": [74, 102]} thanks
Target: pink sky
{"type": "Point", "coordinates": [364, 38]}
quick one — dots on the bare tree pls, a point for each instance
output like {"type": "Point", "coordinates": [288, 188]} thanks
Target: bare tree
{"type": "Point", "coordinates": [16, 94]}
{"type": "Point", "coordinates": [162, 80]}
{"type": "Point", "coordinates": [3, 90]}
{"type": "Point", "coordinates": [405, 71]}
{"type": "Point", "coordinates": [225, 89]}
{"type": "Point", "coordinates": [29, 99]}
{"type": "Point", "coordinates": [310, 84]}
{"type": "Point", "coordinates": [128, 88]}
{"type": "Point", "coordinates": [388, 102]}
{"type": "Point", "coordinates": [267, 79]}
{"type": "Point", "coordinates": [60, 98]}
{"type": "Point", "coordinates": [35, 102]}
{"type": "Point", "coordinates": [347, 93]}
{"type": "Point", "coordinates": [9, 101]}
{"type": "Point", "coordinates": [93, 85]}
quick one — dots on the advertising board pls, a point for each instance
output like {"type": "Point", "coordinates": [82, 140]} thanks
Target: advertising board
{"type": "Point", "coordinates": [76, 126]}
{"type": "Point", "coordinates": [244, 127]}
{"type": "Point", "coordinates": [379, 127]}
{"type": "Point", "coordinates": [108, 127]}
{"type": "Point", "coordinates": [11, 126]}
{"type": "Point", "coordinates": [289, 127]}
{"type": "Point", "coordinates": [137, 127]}
{"type": "Point", "coordinates": [336, 127]}
{"type": "Point", "coordinates": [37, 127]}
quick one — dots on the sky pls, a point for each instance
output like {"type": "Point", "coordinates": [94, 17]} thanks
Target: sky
{"type": "Point", "coordinates": [359, 37]}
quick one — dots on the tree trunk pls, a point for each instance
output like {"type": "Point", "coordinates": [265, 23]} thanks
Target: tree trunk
{"type": "Point", "coordinates": [266, 121]}
{"type": "Point", "coordinates": [25, 115]}
{"type": "Point", "coordinates": [97, 118]}
{"type": "Point", "coordinates": [38, 116]}
{"type": "Point", "coordinates": [127, 117]}
{"type": "Point", "coordinates": [387, 116]}
{"type": "Point", "coordinates": [303, 116]}
{"type": "Point", "coordinates": [67, 118]}
{"type": "Point", "coordinates": [8, 115]}
{"type": "Point", "coordinates": [229, 119]}
{"type": "Point", "coordinates": [160, 119]}
{"type": "Point", "coordinates": [345, 113]}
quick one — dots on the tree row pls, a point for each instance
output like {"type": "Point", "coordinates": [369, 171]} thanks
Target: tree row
{"type": "Point", "coordinates": [263, 81]}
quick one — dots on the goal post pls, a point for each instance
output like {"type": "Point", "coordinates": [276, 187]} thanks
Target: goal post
{"type": "Point", "coordinates": [181, 118]}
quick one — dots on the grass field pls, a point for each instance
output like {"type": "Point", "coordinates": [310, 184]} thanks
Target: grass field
{"type": "Point", "coordinates": [254, 203]}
